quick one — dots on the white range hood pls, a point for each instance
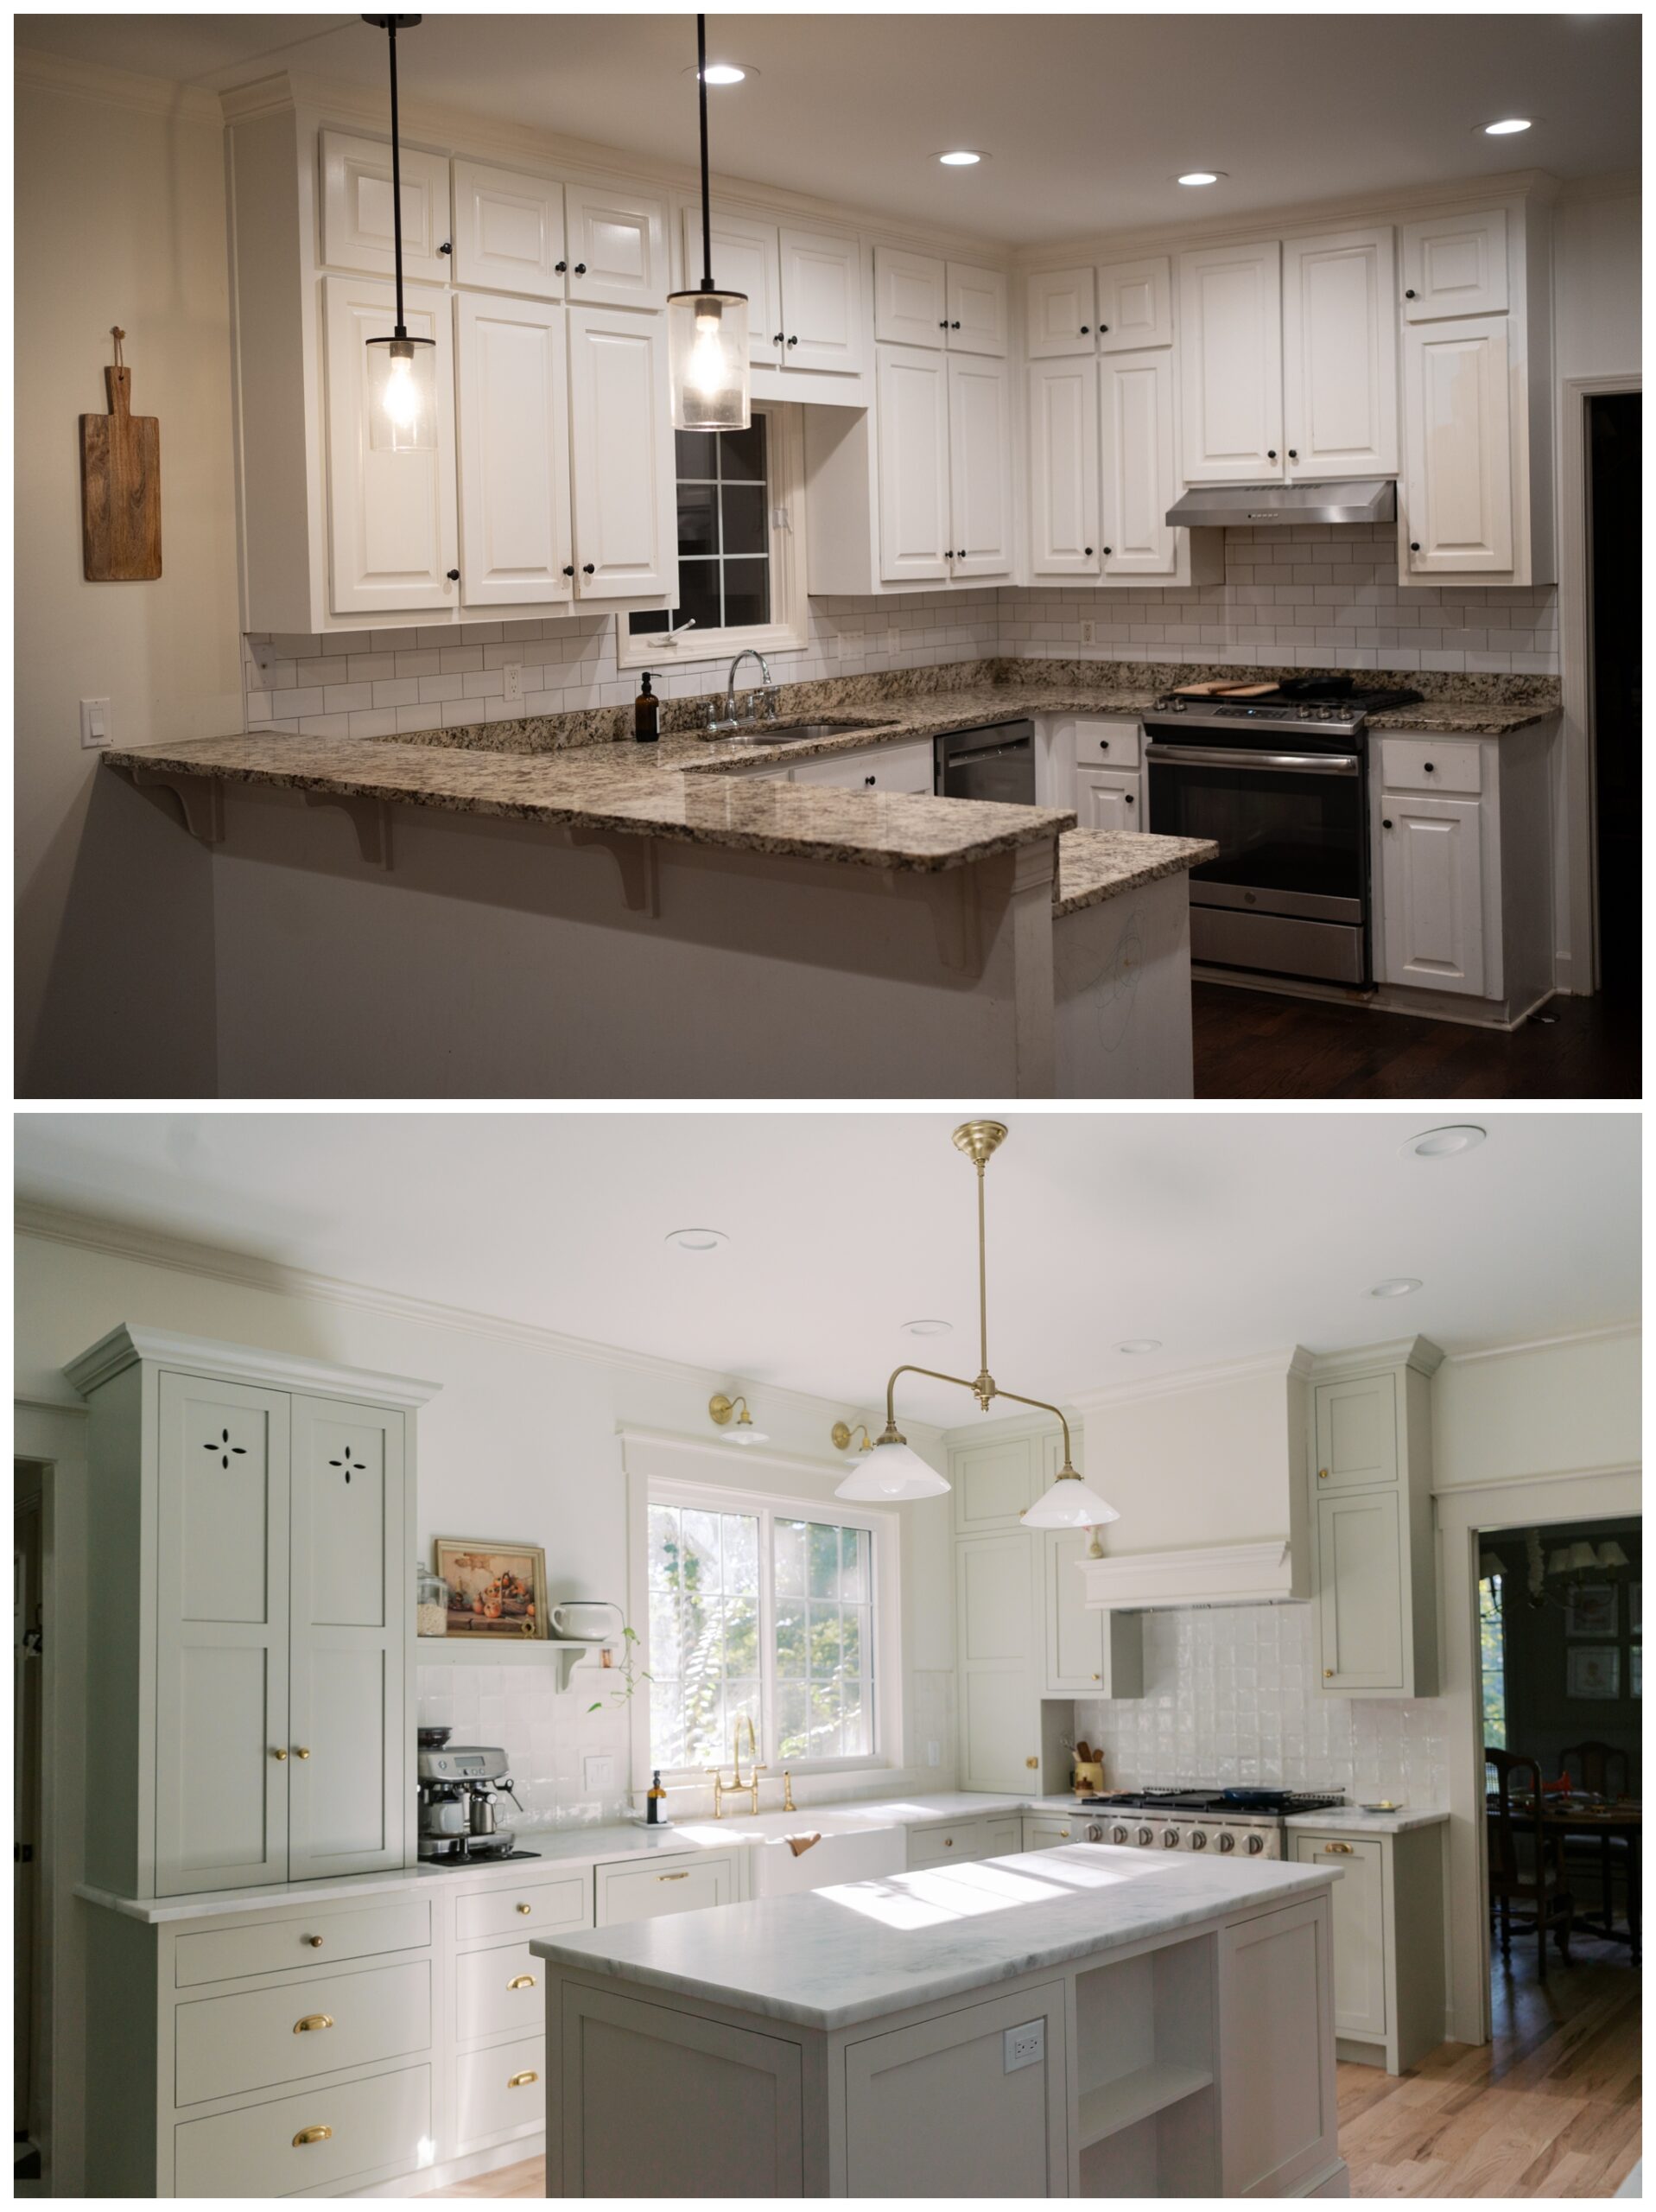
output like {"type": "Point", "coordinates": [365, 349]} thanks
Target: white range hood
{"type": "Point", "coordinates": [1219, 1574]}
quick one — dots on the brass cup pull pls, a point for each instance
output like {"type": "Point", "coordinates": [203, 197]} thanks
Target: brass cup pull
{"type": "Point", "coordinates": [313, 2135]}
{"type": "Point", "coordinates": [311, 2022]}
{"type": "Point", "coordinates": [278, 1755]}
{"type": "Point", "coordinates": [302, 1750]}
{"type": "Point", "coordinates": [684, 1876]}
{"type": "Point", "coordinates": [522, 2081]}
{"type": "Point", "coordinates": [525, 1908]}
{"type": "Point", "coordinates": [522, 1981]}
{"type": "Point", "coordinates": [315, 1942]}
{"type": "Point", "coordinates": [1346, 1847]}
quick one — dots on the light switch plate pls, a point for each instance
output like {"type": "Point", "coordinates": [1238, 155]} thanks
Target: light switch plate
{"type": "Point", "coordinates": [94, 724]}
{"type": "Point", "coordinates": [599, 1773]}
{"type": "Point", "coordinates": [1025, 2046]}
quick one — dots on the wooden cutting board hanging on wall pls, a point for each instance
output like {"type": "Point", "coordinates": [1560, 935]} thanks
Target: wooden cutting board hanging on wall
{"type": "Point", "coordinates": [120, 487]}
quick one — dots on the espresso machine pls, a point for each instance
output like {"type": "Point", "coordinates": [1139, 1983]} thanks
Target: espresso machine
{"type": "Point", "coordinates": [458, 1785]}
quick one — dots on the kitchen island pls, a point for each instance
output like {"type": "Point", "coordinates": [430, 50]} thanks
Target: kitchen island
{"type": "Point", "coordinates": [1084, 2021]}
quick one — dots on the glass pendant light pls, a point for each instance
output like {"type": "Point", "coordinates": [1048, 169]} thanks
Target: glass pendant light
{"type": "Point", "coordinates": [892, 1473]}
{"type": "Point", "coordinates": [402, 371]}
{"type": "Point", "coordinates": [707, 329]}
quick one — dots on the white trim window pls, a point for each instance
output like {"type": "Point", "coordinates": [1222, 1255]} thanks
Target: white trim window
{"type": "Point", "coordinates": [769, 1608]}
{"type": "Point", "coordinates": [741, 522]}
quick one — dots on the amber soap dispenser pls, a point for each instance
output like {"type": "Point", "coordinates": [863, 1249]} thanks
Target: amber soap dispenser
{"type": "Point", "coordinates": [646, 715]}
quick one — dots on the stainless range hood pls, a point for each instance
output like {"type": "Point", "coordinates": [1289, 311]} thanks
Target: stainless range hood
{"type": "Point", "coordinates": [1231, 506]}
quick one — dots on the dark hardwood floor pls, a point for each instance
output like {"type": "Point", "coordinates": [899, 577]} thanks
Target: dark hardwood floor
{"type": "Point", "coordinates": [1262, 1044]}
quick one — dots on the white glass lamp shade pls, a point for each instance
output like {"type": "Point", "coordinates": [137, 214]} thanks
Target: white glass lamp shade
{"type": "Point", "coordinates": [1582, 1557]}
{"type": "Point", "coordinates": [402, 395]}
{"type": "Point", "coordinates": [891, 1473]}
{"type": "Point", "coordinates": [1559, 1563]}
{"type": "Point", "coordinates": [706, 359]}
{"type": "Point", "coordinates": [742, 1431]}
{"type": "Point", "coordinates": [1611, 1554]}
{"type": "Point", "coordinates": [1069, 1504]}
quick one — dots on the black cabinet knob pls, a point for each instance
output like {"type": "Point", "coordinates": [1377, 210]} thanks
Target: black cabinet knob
{"type": "Point", "coordinates": [1408, 295]}
{"type": "Point", "coordinates": [779, 338]}
{"type": "Point", "coordinates": [560, 266]}
{"type": "Point", "coordinates": [1129, 797]}
{"type": "Point", "coordinates": [454, 576]}
{"type": "Point", "coordinates": [1087, 330]}
{"type": "Point", "coordinates": [793, 341]}
{"type": "Point", "coordinates": [1102, 327]}
{"type": "Point", "coordinates": [1088, 551]}
{"type": "Point", "coordinates": [954, 326]}
{"type": "Point", "coordinates": [586, 569]}
{"type": "Point", "coordinates": [1109, 550]}
{"type": "Point", "coordinates": [943, 325]}
{"type": "Point", "coordinates": [1428, 767]}
{"type": "Point", "coordinates": [447, 246]}
{"type": "Point", "coordinates": [868, 779]}
{"type": "Point", "coordinates": [1103, 744]}
{"type": "Point", "coordinates": [1385, 822]}
{"type": "Point", "coordinates": [580, 268]}
{"type": "Point", "coordinates": [1271, 454]}
{"type": "Point", "coordinates": [1293, 453]}
{"type": "Point", "coordinates": [1414, 545]}
{"type": "Point", "coordinates": [570, 570]}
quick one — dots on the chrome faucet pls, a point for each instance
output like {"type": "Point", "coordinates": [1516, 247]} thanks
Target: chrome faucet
{"type": "Point", "coordinates": [768, 690]}
{"type": "Point", "coordinates": [721, 1789]}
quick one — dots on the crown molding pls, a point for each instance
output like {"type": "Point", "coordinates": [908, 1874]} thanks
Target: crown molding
{"type": "Point", "coordinates": [91, 80]}
{"type": "Point", "coordinates": [1617, 1332]}
{"type": "Point", "coordinates": [1419, 1352]}
{"type": "Point", "coordinates": [126, 1346]}
{"type": "Point", "coordinates": [1285, 1362]}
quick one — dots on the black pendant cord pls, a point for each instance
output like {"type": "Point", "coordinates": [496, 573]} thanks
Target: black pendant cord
{"type": "Point", "coordinates": [396, 180]}
{"type": "Point", "coordinates": [706, 205]}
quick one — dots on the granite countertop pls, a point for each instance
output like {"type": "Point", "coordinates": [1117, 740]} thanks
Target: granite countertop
{"type": "Point", "coordinates": [1353, 1819]}
{"type": "Point", "coordinates": [1438, 718]}
{"type": "Point", "coordinates": [1098, 864]}
{"type": "Point", "coordinates": [827, 1958]}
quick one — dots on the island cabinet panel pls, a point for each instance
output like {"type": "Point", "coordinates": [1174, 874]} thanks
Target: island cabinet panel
{"type": "Point", "coordinates": [1277, 2083]}
{"type": "Point", "coordinates": [932, 2110]}
{"type": "Point", "coordinates": [723, 2105]}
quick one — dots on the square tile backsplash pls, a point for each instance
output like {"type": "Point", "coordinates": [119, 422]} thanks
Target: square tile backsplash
{"type": "Point", "coordinates": [1231, 1697]}
{"type": "Point", "coordinates": [548, 1737]}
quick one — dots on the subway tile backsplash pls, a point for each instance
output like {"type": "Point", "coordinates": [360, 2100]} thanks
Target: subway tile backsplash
{"type": "Point", "coordinates": [1231, 1697]}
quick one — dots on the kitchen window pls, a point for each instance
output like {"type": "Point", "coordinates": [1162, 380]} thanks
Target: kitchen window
{"type": "Point", "coordinates": [740, 505]}
{"type": "Point", "coordinates": [767, 1608]}
{"type": "Point", "coordinates": [1492, 1659]}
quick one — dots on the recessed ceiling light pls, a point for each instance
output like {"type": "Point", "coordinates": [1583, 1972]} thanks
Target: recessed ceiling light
{"type": "Point", "coordinates": [962, 157]}
{"type": "Point", "coordinates": [1443, 1144]}
{"type": "Point", "coordinates": [725, 72]}
{"type": "Point", "coordinates": [1396, 1287]}
{"type": "Point", "coordinates": [1506, 126]}
{"type": "Point", "coordinates": [1200, 176]}
{"type": "Point", "coordinates": [1140, 1344]}
{"type": "Point", "coordinates": [697, 1240]}
{"type": "Point", "coordinates": [927, 1328]}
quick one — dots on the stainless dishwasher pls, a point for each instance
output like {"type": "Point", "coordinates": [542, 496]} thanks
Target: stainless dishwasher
{"type": "Point", "coordinates": [996, 761]}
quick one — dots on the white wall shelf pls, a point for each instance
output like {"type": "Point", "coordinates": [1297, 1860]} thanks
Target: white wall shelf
{"type": "Point", "coordinates": [565, 1653]}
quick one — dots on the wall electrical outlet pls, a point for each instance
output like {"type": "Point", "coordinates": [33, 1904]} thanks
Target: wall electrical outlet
{"type": "Point", "coordinates": [94, 723]}
{"type": "Point", "coordinates": [1090, 633]}
{"type": "Point", "coordinates": [513, 673]}
{"type": "Point", "coordinates": [599, 1773]}
{"type": "Point", "coordinates": [1025, 2046]}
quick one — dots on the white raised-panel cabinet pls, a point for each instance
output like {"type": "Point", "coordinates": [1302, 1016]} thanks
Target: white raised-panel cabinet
{"type": "Point", "coordinates": [508, 231]}
{"type": "Point", "coordinates": [1230, 364]}
{"type": "Point", "coordinates": [621, 456]}
{"type": "Point", "coordinates": [1135, 304]}
{"type": "Point", "coordinates": [1339, 356]}
{"type": "Point", "coordinates": [616, 246]}
{"type": "Point", "coordinates": [1061, 314]}
{"type": "Point", "coordinates": [357, 226]}
{"type": "Point", "coordinates": [746, 258]}
{"type": "Point", "coordinates": [1063, 478]}
{"type": "Point", "coordinates": [999, 1661]}
{"type": "Point", "coordinates": [911, 298]}
{"type": "Point", "coordinates": [1456, 510]}
{"type": "Point", "coordinates": [392, 534]}
{"type": "Point", "coordinates": [977, 306]}
{"type": "Point", "coordinates": [1433, 886]}
{"type": "Point", "coordinates": [912, 391]}
{"type": "Point", "coordinates": [1108, 798]}
{"type": "Point", "coordinates": [980, 467]}
{"type": "Point", "coordinates": [1136, 450]}
{"type": "Point", "coordinates": [516, 548]}
{"type": "Point", "coordinates": [822, 301]}
{"type": "Point", "coordinates": [1455, 265]}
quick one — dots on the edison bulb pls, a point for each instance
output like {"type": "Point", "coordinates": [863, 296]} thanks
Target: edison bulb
{"type": "Point", "coordinates": [402, 395]}
{"type": "Point", "coordinates": [707, 360]}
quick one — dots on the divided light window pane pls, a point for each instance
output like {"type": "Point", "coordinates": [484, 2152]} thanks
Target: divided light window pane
{"type": "Point", "coordinates": [704, 1632]}
{"type": "Point", "coordinates": [724, 543]}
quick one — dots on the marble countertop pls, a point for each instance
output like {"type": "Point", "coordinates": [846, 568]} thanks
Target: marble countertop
{"type": "Point", "coordinates": [859, 1950]}
{"type": "Point", "coordinates": [1352, 1818]}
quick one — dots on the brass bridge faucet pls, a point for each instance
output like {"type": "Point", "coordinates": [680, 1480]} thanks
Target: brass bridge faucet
{"type": "Point", "coordinates": [721, 1789]}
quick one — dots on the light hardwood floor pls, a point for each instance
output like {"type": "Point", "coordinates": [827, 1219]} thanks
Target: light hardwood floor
{"type": "Point", "coordinates": [1550, 2108]}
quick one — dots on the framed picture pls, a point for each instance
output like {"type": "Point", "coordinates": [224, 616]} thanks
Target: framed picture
{"type": "Point", "coordinates": [496, 1588]}
{"type": "Point", "coordinates": [1591, 1610]}
{"type": "Point", "coordinates": [1594, 1672]}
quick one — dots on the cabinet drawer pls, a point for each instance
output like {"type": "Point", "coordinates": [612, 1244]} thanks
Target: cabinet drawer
{"type": "Point", "coordinates": [1105, 744]}
{"type": "Point", "coordinates": [1426, 764]}
{"type": "Point", "coordinates": [500, 2090]}
{"type": "Point", "coordinates": [542, 1909]}
{"type": "Point", "coordinates": [1047, 1834]}
{"type": "Point", "coordinates": [960, 1839]}
{"type": "Point", "coordinates": [498, 1989]}
{"type": "Point", "coordinates": [646, 1892]}
{"type": "Point", "coordinates": [322, 1938]}
{"type": "Point", "coordinates": [882, 768]}
{"type": "Point", "coordinates": [255, 2041]}
{"type": "Point", "coordinates": [257, 2151]}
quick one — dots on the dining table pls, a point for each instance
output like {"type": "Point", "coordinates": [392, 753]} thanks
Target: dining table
{"type": "Point", "coordinates": [1579, 1814]}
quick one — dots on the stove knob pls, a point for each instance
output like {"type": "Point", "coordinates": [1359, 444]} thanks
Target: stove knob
{"type": "Point", "coordinates": [1198, 1838]}
{"type": "Point", "coordinates": [1118, 1835]}
{"type": "Point", "coordinates": [1146, 1836]}
{"type": "Point", "coordinates": [1227, 1840]}
{"type": "Point", "coordinates": [1255, 1844]}
{"type": "Point", "coordinates": [1094, 1834]}
{"type": "Point", "coordinates": [1171, 1839]}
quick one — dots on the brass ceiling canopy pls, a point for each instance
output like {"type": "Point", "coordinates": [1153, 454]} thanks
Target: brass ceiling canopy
{"type": "Point", "coordinates": [981, 1140]}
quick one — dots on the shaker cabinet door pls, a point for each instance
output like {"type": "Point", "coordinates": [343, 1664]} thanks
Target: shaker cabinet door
{"type": "Point", "coordinates": [221, 1637]}
{"type": "Point", "coordinates": [515, 547]}
{"type": "Point", "coordinates": [1359, 1592]}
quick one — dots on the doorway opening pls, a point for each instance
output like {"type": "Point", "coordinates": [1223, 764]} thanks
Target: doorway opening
{"type": "Point", "coordinates": [1615, 597]}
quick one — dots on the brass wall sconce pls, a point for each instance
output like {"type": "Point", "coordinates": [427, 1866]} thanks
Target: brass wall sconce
{"type": "Point", "coordinates": [840, 1436]}
{"type": "Point", "coordinates": [721, 1411]}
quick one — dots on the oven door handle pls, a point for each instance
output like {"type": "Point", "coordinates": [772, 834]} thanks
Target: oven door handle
{"type": "Point", "coordinates": [1298, 764]}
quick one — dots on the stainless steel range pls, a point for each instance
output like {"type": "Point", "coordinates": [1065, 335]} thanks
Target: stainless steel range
{"type": "Point", "coordinates": [1231, 1823]}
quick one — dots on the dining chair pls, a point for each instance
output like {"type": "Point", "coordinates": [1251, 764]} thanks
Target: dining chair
{"type": "Point", "coordinates": [1602, 1770]}
{"type": "Point", "coordinates": [1534, 1878]}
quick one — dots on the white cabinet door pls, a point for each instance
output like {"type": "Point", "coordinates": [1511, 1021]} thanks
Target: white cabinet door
{"type": "Point", "coordinates": [1063, 481]}
{"type": "Point", "coordinates": [615, 247]}
{"type": "Point", "coordinates": [1060, 313]}
{"type": "Point", "coordinates": [508, 231]}
{"type": "Point", "coordinates": [1454, 265]}
{"type": "Point", "coordinates": [1458, 485]}
{"type": "Point", "coordinates": [746, 259]}
{"type": "Point", "coordinates": [1074, 1630]}
{"type": "Point", "coordinates": [1431, 875]}
{"type": "Point", "coordinates": [1135, 304]}
{"type": "Point", "coordinates": [348, 1777]}
{"type": "Point", "coordinates": [822, 302]}
{"type": "Point", "coordinates": [911, 298]}
{"type": "Point", "coordinates": [977, 309]}
{"type": "Point", "coordinates": [998, 1654]}
{"type": "Point", "coordinates": [621, 456]}
{"type": "Point", "coordinates": [357, 227]}
{"type": "Point", "coordinates": [1230, 363]}
{"type": "Point", "coordinates": [392, 536]}
{"type": "Point", "coordinates": [980, 467]}
{"type": "Point", "coordinates": [221, 1636]}
{"type": "Point", "coordinates": [1359, 1592]}
{"type": "Point", "coordinates": [515, 547]}
{"type": "Point", "coordinates": [912, 394]}
{"type": "Point", "coordinates": [1136, 454]}
{"type": "Point", "coordinates": [1107, 799]}
{"type": "Point", "coordinates": [1339, 356]}
{"type": "Point", "coordinates": [1359, 1931]}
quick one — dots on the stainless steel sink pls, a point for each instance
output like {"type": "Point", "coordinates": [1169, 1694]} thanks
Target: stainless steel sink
{"type": "Point", "coordinates": [797, 733]}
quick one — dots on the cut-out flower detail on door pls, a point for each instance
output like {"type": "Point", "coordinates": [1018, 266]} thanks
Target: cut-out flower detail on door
{"type": "Point", "coordinates": [351, 1465]}
{"type": "Point", "coordinates": [224, 1448]}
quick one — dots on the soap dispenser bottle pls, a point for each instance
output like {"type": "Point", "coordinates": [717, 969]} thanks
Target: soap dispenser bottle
{"type": "Point", "coordinates": [646, 715]}
{"type": "Point", "coordinates": [653, 1797]}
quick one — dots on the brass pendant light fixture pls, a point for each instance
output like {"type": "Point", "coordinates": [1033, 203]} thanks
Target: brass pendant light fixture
{"type": "Point", "coordinates": [707, 329]}
{"type": "Point", "coordinates": [894, 1470]}
{"type": "Point", "coordinates": [402, 371]}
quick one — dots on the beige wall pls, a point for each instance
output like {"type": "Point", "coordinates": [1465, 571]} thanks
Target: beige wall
{"type": "Point", "coordinates": [120, 219]}
{"type": "Point", "coordinates": [1596, 285]}
{"type": "Point", "coordinates": [1537, 1411]}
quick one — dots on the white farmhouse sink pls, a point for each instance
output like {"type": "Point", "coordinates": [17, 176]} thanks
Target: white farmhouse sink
{"type": "Point", "coordinates": [850, 1848]}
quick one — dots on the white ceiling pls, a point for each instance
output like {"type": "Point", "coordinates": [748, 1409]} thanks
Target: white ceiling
{"type": "Point", "coordinates": [1224, 1235]}
{"type": "Point", "coordinates": [1088, 117]}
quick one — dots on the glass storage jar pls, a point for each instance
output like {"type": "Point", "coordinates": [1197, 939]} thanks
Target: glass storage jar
{"type": "Point", "coordinates": [430, 1601]}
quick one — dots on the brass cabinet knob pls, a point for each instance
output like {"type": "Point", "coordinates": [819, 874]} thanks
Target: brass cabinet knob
{"type": "Point", "coordinates": [1031, 1763]}
{"type": "Point", "coordinates": [522, 1981]}
{"type": "Point", "coordinates": [312, 2022]}
{"type": "Point", "coordinates": [525, 1908]}
{"type": "Point", "coordinates": [1328, 1674]}
{"type": "Point", "coordinates": [522, 2081]}
{"type": "Point", "coordinates": [1322, 1474]}
{"type": "Point", "coordinates": [313, 2135]}
{"type": "Point", "coordinates": [1098, 1678]}
{"type": "Point", "coordinates": [1063, 1831]}
{"type": "Point", "coordinates": [315, 1942]}
{"type": "Point", "coordinates": [1346, 1847]}
{"type": "Point", "coordinates": [278, 1755]}
{"type": "Point", "coordinates": [302, 1750]}
{"type": "Point", "coordinates": [948, 1843]}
